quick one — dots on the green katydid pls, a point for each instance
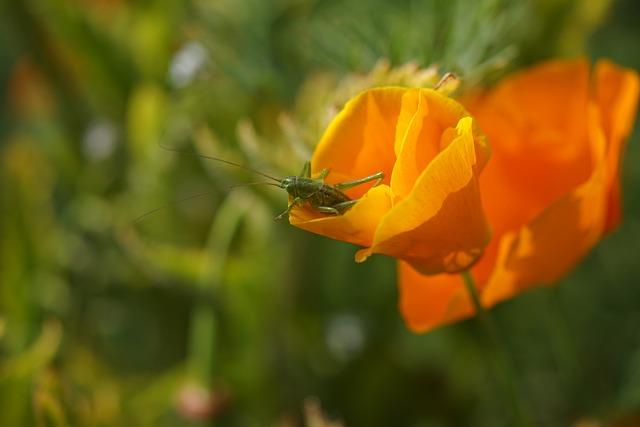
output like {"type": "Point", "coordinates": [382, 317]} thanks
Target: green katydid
{"type": "Point", "coordinates": [322, 197]}
{"type": "Point", "coordinates": [303, 189]}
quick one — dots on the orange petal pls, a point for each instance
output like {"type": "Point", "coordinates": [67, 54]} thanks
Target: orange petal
{"type": "Point", "coordinates": [440, 225]}
{"type": "Point", "coordinates": [427, 302]}
{"type": "Point", "coordinates": [414, 108]}
{"type": "Point", "coordinates": [356, 226]}
{"type": "Point", "coordinates": [544, 250]}
{"type": "Point", "coordinates": [426, 125]}
{"type": "Point", "coordinates": [551, 96]}
{"type": "Point", "coordinates": [550, 244]}
{"type": "Point", "coordinates": [359, 141]}
{"type": "Point", "coordinates": [536, 124]}
{"type": "Point", "coordinates": [616, 91]}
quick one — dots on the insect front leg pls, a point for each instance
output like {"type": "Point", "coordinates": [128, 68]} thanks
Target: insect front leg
{"type": "Point", "coordinates": [377, 177]}
{"type": "Point", "coordinates": [295, 202]}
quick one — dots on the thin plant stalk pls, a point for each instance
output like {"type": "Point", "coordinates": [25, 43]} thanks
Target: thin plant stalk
{"type": "Point", "coordinates": [499, 355]}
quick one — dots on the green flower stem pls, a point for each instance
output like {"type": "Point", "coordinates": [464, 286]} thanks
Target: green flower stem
{"type": "Point", "coordinates": [203, 328]}
{"type": "Point", "coordinates": [562, 340]}
{"type": "Point", "coordinates": [499, 356]}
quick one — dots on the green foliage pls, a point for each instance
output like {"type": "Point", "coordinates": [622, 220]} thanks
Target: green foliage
{"type": "Point", "coordinates": [208, 311]}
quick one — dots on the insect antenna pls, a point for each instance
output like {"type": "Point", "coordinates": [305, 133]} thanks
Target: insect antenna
{"type": "Point", "coordinates": [238, 165]}
{"type": "Point", "coordinates": [247, 184]}
{"type": "Point", "coordinates": [171, 203]}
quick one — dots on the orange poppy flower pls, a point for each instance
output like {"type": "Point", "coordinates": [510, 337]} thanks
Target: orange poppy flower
{"type": "Point", "coordinates": [551, 189]}
{"type": "Point", "coordinates": [427, 210]}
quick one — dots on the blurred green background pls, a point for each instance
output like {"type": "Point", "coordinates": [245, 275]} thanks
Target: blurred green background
{"type": "Point", "coordinates": [210, 313]}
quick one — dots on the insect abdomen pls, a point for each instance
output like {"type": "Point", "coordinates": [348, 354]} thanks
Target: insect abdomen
{"type": "Point", "coordinates": [328, 196]}
{"type": "Point", "coordinates": [316, 193]}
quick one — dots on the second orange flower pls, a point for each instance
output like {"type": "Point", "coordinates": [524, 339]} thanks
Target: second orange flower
{"type": "Point", "coordinates": [552, 188]}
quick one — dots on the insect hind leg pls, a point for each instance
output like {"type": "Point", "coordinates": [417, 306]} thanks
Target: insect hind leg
{"type": "Point", "coordinates": [306, 170]}
{"type": "Point", "coordinates": [342, 207]}
{"type": "Point", "coordinates": [377, 177]}
{"type": "Point", "coordinates": [328, 210]}
{"type": "Point", "coordinates": [338, 208]}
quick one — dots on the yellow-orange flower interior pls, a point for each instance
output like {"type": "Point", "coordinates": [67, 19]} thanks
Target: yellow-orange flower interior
{"type": "Point", "coordinates": [428, 210]}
